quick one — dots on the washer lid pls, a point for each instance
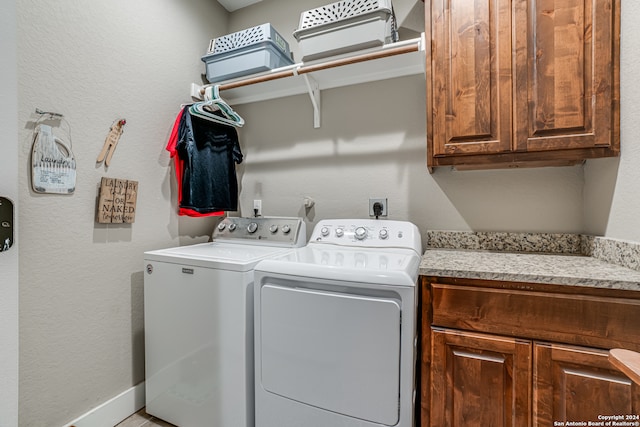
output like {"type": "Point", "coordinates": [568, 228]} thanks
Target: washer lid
{"type": "Point", "coordinates": [390, 266]}
{"type": "Point", "coordinates": [224, 256]}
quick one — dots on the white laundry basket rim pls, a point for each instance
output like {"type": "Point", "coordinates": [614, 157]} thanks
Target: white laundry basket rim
{"type": "Point", "coordinates": [340, 11]}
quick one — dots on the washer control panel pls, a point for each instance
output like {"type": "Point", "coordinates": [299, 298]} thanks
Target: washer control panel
{"type": "Point", "coordinates": [281, 231]}
{"type": "Point", "coordinates": [367, 232]}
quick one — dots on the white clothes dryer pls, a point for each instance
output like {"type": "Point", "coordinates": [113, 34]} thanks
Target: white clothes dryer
{"type": "Point", "coordinates": [335, 328]}
{"type": "Point", "coordinates": [198, 313]}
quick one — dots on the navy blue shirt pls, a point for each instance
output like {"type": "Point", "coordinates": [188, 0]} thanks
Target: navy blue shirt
{"type": "Point", "coordinates": [210, 152]}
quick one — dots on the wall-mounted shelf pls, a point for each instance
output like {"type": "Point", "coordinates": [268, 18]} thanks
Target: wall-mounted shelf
{"type": "Point", "coordinates": [399, 59]}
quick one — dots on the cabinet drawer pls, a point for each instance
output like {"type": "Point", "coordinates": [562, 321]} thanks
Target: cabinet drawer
{"type": "Point", "coordinates": [593, 321]}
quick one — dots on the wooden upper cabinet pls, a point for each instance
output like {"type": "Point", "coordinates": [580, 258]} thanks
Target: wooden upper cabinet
{"type": "Point", "coordinates": [568, 74]}
{"type": "Point", "coordinates": [512, 82]}
{"type": "Point", "coordinates": [471, 76]}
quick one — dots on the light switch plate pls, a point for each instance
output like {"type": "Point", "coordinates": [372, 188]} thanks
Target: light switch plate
{"type": "Point", "coordinates": [6, 224]}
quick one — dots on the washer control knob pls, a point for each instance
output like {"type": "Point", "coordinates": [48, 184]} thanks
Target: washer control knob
{"type": "Point", "coordinates": [232, 227]}
{"type": "Point", "coordinates": [273, 228]}
{"type": "Point", "coordinates": [384, 234]}
{"type": "Point", "coordinates": [286, 229]}
{"type": "Point", "coordinates": [252, 228]}
{"type": "Point", "coordinates": [324, 231]}
{"type": "Point", "coordinates": [361, 233]}
{"type": "Point", "coordinates": [221, 226]}
{"type": "Point", "coordinates": [339, 232]}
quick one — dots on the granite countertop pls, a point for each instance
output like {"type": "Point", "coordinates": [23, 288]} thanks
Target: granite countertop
{"type": "Point", "coordinates": [571, 267]}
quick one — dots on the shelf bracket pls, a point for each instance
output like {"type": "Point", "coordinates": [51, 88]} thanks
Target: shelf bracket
{"type": "Point", "coordinates": [196, 92]}
{"type": "Point", "coordinates": [314, 93]}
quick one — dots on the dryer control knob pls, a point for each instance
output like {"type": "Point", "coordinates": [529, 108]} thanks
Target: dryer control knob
{"type": "Point", "coordinates": [252, 228]}
{"type": "Point", "coordinates": [361, 233]}
{"type": "Point", "coordinates": [324, 231]}
{"type": "Point", "coordinates": [273, 228]}
{"type": "Point", "coordinates": [384, 233]}
{"type": "Point", "coordinates": [232, 227]}
{"type": "Point", "coordinates": [286, 229]}
{"type": "Point", "coordinates": [221, 226]}
{"type": "Point", "coordinates": [339, 232]}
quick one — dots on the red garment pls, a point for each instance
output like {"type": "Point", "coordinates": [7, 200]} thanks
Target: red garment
{"type": "Point", "coordinates": [171, 148]}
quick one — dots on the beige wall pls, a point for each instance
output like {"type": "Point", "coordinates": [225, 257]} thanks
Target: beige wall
{"type": "Point", "coordinates": [372, 143]}
{"type": "Point", "coordinates": [612, 194]}
{"type": "Point", "coordinates": [81, 314]}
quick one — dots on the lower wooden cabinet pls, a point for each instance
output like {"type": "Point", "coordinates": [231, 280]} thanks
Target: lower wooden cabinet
{"type": "Point", "coordinates": [479, 380]}
{"type": "Point", "coordinates": [483, 365]}
{"type": "Point", "coordinates": [580, 385]}
{"type": "Point", "coordinates": [482, 380]}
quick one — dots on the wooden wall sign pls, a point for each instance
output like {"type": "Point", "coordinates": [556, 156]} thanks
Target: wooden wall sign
{"type": "Point", "coordinates": [117, 201]}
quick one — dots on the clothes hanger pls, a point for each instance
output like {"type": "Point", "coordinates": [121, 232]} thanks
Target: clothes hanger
{"type": "Point", "coordinates": [212, 99]}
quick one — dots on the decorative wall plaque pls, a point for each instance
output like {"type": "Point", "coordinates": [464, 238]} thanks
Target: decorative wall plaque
{"type": "Point", "coordinates": [117, 201]}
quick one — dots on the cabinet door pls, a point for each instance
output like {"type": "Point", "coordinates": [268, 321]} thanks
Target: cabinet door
{"type": "Point", "coordinates": [470, 77]}
{"type": "Point", "coordinates": [566, 56]}
{"type": "Point", "coordinates": [479, 380]}
{"type": "Point", "coordinates": [579, 384]}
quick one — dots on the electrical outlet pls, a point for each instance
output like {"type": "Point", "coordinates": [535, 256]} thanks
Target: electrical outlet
{"type": "Point", "coordinates": [383, 206]}
{"type": "Point", "coordinates": [257, 207]}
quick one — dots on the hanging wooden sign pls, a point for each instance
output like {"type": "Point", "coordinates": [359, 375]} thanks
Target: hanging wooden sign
{"type": "Point", "coordinates": [109, 147]}
{"type": "Point", "coordinates": [117, 201]}
{"type": "Point", "coordinates": [53, 167]}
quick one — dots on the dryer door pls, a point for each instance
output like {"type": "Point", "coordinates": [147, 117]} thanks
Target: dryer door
{"type": "Point", "coordinates": [335, 351]}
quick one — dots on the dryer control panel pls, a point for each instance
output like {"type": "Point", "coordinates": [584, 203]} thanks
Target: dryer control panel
{"type": "Point", "coordinates": [273, 231]}
{"type": "Point", "coordinates": [368, 233]}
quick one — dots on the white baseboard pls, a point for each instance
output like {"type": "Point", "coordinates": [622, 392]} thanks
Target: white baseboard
{"type": "Point", "coordinates": [114, 410]}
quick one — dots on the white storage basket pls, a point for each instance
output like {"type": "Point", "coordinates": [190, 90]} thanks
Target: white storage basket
{"type": "Point", "coordinates": [345, 26]}
{"type": "Point", "coordinates": [245, 52]}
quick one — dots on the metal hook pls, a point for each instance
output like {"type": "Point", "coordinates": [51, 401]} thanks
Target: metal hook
{"type": "Point", "coordinates": [50, 113]}
{"type": "Point", "coordinates": [52, 116]}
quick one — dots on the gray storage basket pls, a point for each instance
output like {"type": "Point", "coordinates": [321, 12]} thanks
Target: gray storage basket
{"type": "Point", "coordinates": [248, 37]}
{"type": "Point", "coordinates": [345, 26]}
{"type": "Point", "coordinates": [245, 52]}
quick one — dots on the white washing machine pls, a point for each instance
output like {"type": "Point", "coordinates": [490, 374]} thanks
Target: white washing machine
{"type": "Point", "coordinates": [198, 303]}
{"type": "Point", "coordinates": [335, 328]}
